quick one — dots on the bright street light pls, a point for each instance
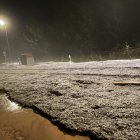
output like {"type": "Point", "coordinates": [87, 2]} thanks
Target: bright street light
{"type": "Point", "coordinates": [3, 24]}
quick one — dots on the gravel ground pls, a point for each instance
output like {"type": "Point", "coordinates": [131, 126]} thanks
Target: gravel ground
{"type": "Point", "coordinates": [81, 96]}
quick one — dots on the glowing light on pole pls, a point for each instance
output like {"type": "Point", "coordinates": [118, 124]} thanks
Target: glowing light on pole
{"type": "Point", "coordinates": [3, 24]}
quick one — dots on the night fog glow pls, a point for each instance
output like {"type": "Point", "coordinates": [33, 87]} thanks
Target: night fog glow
{"type": "Point", "coordinates": [2, 23]}
{"type": "Point", "coordinates": [88, 30]}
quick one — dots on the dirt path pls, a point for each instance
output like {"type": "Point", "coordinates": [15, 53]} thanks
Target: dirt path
{"type": "Point", "coordinates": [17, 123]}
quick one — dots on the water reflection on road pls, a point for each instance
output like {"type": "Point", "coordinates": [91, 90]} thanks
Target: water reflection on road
{"type": "Point", "coordinates": [17, 123]}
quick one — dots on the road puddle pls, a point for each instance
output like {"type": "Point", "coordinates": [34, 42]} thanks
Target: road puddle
{"type": "Point", "coordinates": [17, 123]}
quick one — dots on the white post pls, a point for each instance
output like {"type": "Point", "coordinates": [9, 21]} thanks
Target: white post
{"type": "Point", "coordinates": [70, 59]}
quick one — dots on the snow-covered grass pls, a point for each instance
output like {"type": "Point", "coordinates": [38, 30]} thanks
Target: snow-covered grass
{"type": "Point", "coordinates": [81, 96]}
{"type": "Point", "coordinates": [92, 64]}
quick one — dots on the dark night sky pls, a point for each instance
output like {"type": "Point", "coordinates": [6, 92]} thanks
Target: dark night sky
{"type": "Point", "coordinates": [79, 27]}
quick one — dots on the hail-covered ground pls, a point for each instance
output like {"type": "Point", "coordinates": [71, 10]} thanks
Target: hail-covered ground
{"type": "Point", "coordinates": [82, 97]}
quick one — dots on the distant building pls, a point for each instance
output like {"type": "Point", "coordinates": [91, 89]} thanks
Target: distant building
{"type": "Point", "coordinates": [27, 59]}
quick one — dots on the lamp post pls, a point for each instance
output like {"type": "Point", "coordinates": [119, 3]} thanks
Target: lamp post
{"type": "Point", "coordinates": [3, 24]}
